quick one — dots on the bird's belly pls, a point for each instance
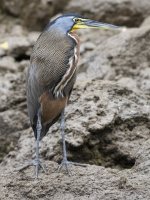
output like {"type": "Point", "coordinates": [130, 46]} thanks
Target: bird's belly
{"type": "Point", "coordinates": [51, 107]}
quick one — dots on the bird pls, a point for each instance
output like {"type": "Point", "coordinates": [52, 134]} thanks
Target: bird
{"type": "Point", "coordinates": [52, 74]}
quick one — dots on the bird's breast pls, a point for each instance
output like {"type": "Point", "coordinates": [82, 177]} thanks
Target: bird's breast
{"type": "Point", "coordinates": [51, 108]}
{"type": "Point", "coordinates": [51, 57]}
{"type": "Point", "coordinates": [52, 74]}
{"type": "Point", "coordinates": [70, 73]}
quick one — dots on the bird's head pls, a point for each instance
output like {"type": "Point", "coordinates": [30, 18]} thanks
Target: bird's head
{"type": "Point", "coordinates": [72, 22]}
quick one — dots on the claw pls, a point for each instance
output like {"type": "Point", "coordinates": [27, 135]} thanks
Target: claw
{"type": "Point", "coordinates": [23, 167]}
{"type": "Point", "coordinates": [65, 164]}
{"type": "Point", "coordinates": [37, 163]}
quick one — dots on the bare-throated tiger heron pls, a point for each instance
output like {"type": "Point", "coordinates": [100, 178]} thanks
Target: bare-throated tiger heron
{"type": "Point", "coordinates": [52, 74]}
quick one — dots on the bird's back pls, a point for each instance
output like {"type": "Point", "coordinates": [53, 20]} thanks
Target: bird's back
{"type": "Point", "coordinates": [50, 61]}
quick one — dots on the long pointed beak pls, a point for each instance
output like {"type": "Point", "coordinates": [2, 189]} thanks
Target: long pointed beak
{"type": "Point", "coordinates": [87, 23]}
{"type": "Point", "coordinates": [98, 25]}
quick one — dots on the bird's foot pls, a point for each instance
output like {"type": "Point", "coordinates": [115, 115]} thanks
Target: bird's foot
{"type": "Point", "coordinates": [65, 164]}
{"type": "Point", "coordinates": [38, 165]}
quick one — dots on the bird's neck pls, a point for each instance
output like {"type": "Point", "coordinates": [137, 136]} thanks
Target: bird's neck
{"type": "Point", "coordinates": [75, 37]}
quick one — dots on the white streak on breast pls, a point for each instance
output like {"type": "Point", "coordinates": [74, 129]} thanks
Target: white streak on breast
{"type": "Point", "coordinates": [58, 91]}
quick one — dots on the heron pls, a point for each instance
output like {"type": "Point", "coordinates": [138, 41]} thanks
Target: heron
{"type": "Point", "coordinates": [52, 74]}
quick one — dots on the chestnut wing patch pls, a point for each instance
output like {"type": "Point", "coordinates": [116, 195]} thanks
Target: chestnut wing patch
{"type": "Point", "coordinates": [51, 107]}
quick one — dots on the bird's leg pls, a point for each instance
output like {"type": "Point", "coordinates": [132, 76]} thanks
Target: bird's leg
{"type": "Point", "coordinates": [36, 162]}
{"type": "Point", "coordinates": [62, 129]}
{"type": "Point", "coordinates": [65, 161]}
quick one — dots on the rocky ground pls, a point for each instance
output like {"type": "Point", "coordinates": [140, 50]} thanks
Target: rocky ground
{"type": "Point", "coordinates": [108, 116]}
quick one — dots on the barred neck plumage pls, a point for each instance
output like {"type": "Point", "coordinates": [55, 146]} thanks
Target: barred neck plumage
{"type": "Point", "coordinates": [59, 89]}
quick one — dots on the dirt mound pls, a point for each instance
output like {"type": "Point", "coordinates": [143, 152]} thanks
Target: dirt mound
{"type": "Point", "coordinates": [108, 116]}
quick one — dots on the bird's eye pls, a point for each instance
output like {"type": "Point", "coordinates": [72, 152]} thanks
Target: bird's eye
{"type": "Point", "coordinates": [76, 20]}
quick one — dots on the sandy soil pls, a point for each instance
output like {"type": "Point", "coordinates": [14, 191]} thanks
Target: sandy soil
{"type": "Point", "coordinates": [108, 116]}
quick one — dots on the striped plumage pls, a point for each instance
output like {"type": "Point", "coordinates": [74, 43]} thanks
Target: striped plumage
{"type": "Point", "coordinates": [51, 76]}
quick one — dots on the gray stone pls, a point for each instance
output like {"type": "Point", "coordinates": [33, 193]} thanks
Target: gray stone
{"type": "Point", "coordinates": [122, 12]}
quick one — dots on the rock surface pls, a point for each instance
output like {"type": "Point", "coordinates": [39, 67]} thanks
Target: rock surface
{"type": "Point", "coordinates": [122, 12]}
{"type": "Point", "coordinates": [108, 116]}
{"type": "Point", "coordinates": [34, 15]}
{"type": "Point", "coordinates": [124, 57]}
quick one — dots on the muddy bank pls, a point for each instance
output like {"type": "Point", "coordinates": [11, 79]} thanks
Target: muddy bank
{"type": "Point", "coordinates": [108, 116]}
